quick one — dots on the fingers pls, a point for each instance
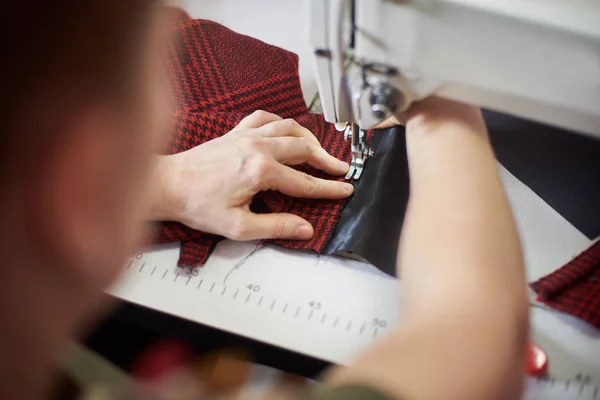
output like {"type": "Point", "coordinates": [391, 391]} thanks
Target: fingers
{"type": "Point", "coordinates": [271, 125]}
{"type": "Point", "coordinates": [257, 119]}
{"type": "Point", "coordinates": [250, 226]}
{"type": "Point", "coordinates": [287, 127]}
{"type": "Point", "coordinates": [299, 184]}
{"type": "Point", "coordinates": [296, 150]}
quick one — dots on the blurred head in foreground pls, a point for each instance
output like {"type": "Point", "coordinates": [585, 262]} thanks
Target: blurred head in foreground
{"type": "Point", "coordinates": [82, 112]}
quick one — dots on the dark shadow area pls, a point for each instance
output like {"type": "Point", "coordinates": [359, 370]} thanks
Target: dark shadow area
{"type": "Point", "coordinates": [561, 167]}
{"type": "Point", "coordinates": [132, 329]}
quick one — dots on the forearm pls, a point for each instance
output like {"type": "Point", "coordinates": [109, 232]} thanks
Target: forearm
{"type": "Point", "coordinates": [459, 244]}
{"type": "Point", "coordinates": [460, 259]}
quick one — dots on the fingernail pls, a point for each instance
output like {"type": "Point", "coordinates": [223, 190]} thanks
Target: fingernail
{"type": "Point", "coordinates": [305, 231]}
{"type": "Point", "coordinates": [344, 165]}
{"type": "Point", "coordinates": [348, 187]}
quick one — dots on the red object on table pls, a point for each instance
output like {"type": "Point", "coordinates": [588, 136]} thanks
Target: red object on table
{"type": "Point", "coordinates": [536, 360]}
{"type": "Point", "coordinates": [161, 360]}
{"type": "Point", "coordinates": [574, 288]}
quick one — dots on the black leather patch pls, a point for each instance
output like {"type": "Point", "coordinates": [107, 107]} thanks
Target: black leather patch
{"type": "Point", "coordinates": [370, 225]}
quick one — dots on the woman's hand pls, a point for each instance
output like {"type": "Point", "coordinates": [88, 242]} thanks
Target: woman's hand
{"type": "Point", "coordinates": [210, 187]}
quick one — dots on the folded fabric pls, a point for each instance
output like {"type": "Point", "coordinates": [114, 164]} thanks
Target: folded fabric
{"type": "Point", "coordinates": [217, 77]}
{"type": "Point", "coordinates": [574, 288]}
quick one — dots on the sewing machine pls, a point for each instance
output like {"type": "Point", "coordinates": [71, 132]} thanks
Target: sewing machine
{"type": "Point", "coordinates": [535, 59]}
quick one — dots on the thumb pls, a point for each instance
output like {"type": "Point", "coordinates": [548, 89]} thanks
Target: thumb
{"type": "Point", "coordinates": [273, 226]}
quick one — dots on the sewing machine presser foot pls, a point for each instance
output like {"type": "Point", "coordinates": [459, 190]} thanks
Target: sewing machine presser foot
{"type": "Point", "coordinates": [360, 150]}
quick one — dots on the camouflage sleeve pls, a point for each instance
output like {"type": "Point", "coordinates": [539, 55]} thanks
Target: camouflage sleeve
{"type": "Point", "coordinates": [344, 393]}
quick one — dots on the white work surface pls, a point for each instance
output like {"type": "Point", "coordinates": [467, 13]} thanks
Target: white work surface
{"type": "Point", "coordinates": [331, 308]}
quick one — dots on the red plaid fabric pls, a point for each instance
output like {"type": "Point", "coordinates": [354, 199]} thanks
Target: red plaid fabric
{"type": "Point", "coordinates": [217, 77]}
{"type": "Point", "coordinates": [574, 288]}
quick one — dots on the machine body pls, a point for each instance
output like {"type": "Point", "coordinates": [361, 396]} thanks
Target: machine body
{"type": "Point", "coordinates": [536, 59]}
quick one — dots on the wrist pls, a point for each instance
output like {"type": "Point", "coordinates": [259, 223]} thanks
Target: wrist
{"type": "Point", "coordinates": [166, 204]}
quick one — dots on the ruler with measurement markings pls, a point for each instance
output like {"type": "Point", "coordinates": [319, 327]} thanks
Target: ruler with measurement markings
{"type": "Point", "coordinates": [293, 305]}
{"type": "Point", "coordinates": [332, 309]}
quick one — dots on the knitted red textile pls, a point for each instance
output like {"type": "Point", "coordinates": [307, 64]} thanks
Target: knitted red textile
{"type": "Point", "coordinates": [218, 77]}
{"type": "Point", "coordinates": [574, 288]}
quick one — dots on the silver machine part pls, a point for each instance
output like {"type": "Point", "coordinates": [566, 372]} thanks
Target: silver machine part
{"type": "Point", "coordinates": [360, 150]}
